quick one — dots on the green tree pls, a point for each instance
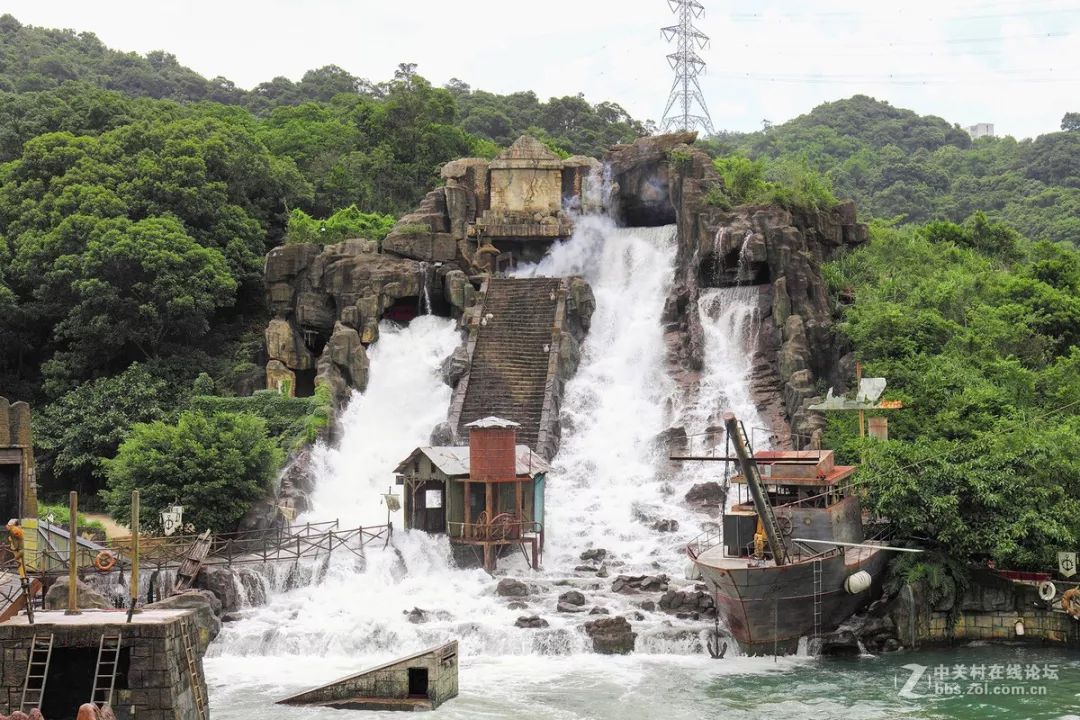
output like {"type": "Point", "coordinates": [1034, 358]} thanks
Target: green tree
{"type": "Point", "coordinates": [215, 465]}
{"type": "Point", "coordinates": [82, 429]}
{"type": "Point", "coordinates": [1071, 122]}
{"type": "Point", "coordinates": [135, 288]}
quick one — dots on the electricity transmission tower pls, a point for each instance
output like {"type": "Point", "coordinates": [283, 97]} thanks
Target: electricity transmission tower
{"type": "Point", "coordinates": [688, 65]}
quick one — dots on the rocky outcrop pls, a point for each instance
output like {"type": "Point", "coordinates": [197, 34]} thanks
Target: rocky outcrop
{"type": "Point", "coordinates": [87, 597]}
{"type": "Point", "coordinates": [778, 250]}
{"type": "Point", "coordinates": [327, 302]}
{"type": "Point", "coordinates": [611, 635]}
{"type": "Point", "coordinates": [643, 177]}
{"type": "Point", "coordinates": [685, 603]}
{"type": "Point", "coordinates": [709, 494]}
{"type": "Point", "coordinates": [208, 612]}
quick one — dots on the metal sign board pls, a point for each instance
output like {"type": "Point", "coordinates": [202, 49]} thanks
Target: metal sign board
{"type": "Point", "coordinates": [1067, 564]}
{"type": "Point", "coordinates": [172, 519]}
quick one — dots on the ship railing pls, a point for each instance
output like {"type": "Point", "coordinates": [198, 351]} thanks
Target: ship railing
{"type": "Point", "coordinates": [502, 528]}
{"type": "Point", "coordinates": [706, 540]}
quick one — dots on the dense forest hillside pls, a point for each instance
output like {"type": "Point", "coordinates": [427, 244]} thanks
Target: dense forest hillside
{"type": "Point", "coordinates": [138, 199]}
{"type": "Point", "coordinates": [897, 164]}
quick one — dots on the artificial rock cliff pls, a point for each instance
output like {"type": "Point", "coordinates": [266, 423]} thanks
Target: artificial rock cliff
{"type": "Point", "coordinates": [664, 179]}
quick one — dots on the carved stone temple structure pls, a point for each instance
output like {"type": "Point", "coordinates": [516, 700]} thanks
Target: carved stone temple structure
{"type": "Point", "coordinates": [327, 301]}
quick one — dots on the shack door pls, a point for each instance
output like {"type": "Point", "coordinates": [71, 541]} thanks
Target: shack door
{"type": "Point", "coordinates": [10, 477]}
{"type": "Point", "coordinates": [429, 503]}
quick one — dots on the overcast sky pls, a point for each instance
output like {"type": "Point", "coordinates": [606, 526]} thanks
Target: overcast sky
{"type": "Point", "coordinates": [1015, 64]}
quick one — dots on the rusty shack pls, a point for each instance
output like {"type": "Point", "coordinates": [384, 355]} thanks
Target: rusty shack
{"type": "Point", "coordinates": [488, 497]}
{"type": "Point", "coordinates": [423, 681]}
{"type": "Point", "coordinates": [18, 498]}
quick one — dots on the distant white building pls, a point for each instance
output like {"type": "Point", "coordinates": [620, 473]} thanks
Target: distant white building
{"type": "Point", "coordinates": [980, 130]}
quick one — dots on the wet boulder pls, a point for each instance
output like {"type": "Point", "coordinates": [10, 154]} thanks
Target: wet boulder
{"type": "Point", "coordinates": [416, 616]}
{"type": "Point", "coordinates": [611, 635]}
{"type": "Point", "coordinates": [707, 493]}
{"type": "Point", "coordinates": [509, 587]}
{"type": "Point", "coordinates": [571, 601]}
{"type": "Point", "coordinates": [531, 622]}
{"type": "Point", "coordinates": [594, 555]}
{"type": "Point", "coordinates": [225, 585]}
{"type": "Point", "coordinates": [686, 602]}
{"type": "Point", "coordinates": [666, 525]}
{"type": "Point", "coordinates": [627, 584]}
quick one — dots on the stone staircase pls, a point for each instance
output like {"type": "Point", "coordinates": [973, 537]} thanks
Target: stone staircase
{"type": "Point", "coordinates": [515, 356]}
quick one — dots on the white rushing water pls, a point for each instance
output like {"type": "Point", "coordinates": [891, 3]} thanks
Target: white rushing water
{"type": "Point", "coordinates": [610, 484]}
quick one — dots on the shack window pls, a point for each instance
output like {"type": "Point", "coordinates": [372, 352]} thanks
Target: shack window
{"type": "Point", "coordinates": [418, 682]}
{"type": "Point", "coordinates": [433, 499]}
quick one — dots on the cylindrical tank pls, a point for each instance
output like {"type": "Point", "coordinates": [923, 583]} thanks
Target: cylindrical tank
{"type": "Point", "coordinates": [858, 582]}
{"type": "Point", "coordinates": [492, 455]}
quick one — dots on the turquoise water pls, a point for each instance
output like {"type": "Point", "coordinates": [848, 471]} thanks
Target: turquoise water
{"type": "Point", "coordinates": [682, 687]}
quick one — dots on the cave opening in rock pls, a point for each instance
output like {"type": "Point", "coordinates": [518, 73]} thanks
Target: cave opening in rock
{"type": "Point", "coordinates": [305, 383]}
{"type": "Point", "coordinates": [643, 213]}
{"type": "Point", "coordinates": [405, 310]}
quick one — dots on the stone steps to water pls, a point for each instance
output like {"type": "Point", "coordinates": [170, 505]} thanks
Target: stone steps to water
{"type": "Point", "coordinates": [509, 370]}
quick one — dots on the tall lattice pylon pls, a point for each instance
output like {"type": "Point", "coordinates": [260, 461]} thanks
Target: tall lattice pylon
{"type": "Point", "coordinates": [686, 90]}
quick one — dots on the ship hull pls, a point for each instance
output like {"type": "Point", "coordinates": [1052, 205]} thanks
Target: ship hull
{"type": "Point", "coordinates": [768, 609]}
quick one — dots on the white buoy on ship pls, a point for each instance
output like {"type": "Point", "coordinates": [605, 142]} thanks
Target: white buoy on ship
{"type": "Point", "coordinates": [858, 582]}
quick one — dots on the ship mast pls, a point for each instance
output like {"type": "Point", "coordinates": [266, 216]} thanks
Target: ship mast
{"type": "Point", "coordinates": [757, 488]}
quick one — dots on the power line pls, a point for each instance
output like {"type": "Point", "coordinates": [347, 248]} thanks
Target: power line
{"type": "Point", "coordinates": [688, 65]}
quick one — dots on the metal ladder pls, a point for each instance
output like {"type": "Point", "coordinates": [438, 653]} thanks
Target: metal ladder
{"type": "Point", "coordinates": [108, 659]}
{"type": "Point", "coordinates": [37, 671]}
{"type": "Point", "coordinates": [193, 671]}
{"type": "Point", "coordinates": [817, 597]}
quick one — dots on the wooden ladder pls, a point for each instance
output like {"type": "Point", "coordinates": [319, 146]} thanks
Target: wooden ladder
{"type": "Point", "coordinates": [37, 671]}
{"type": "Point", "coordinates": [108, 659]}
{"type": "Point", "coordinates": [193, 670]}
{"type": "Point", "coordinates": [192, 563]}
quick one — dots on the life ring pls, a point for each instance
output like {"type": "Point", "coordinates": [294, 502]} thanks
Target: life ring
{"type": "Point", "coordinates": [104, 561]}
{"type": "Point", "coordinates": [1070, 602]}
{"type": "Point", "coordinates": [1047, 591]}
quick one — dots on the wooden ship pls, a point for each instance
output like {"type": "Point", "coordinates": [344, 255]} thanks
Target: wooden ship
{"type": "Point", "coordinates": [792, 560]}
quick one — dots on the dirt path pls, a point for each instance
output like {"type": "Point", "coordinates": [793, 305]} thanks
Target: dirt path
{"type": "Point", "coordinates": [112, 528]}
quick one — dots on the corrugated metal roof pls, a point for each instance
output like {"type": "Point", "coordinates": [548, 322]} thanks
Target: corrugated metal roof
{"type": "Point", "coordinates": [492, 422]}
{"type": "Point", "coordinates": [453, 461]}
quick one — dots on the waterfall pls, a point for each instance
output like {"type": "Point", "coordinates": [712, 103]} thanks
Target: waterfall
{"type": "Point", "coordinates": [425, 288]}
{"type": "Point", "coordinates": [605, 488]}
{"type": "Point", "coordinates": [731, 321]}
{"type": "Point", "coordinates": [405, 399]}
{"type": "Point", "coordinates": [611, 483]}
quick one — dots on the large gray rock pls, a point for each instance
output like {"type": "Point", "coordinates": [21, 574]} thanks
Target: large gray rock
{"type": "Point", "coordinates": [224, 583]}
{"type": "Point", "coordinates": [283, 342]}
{"type": "Point", "coordinates": [509, 587]}
{"type": "Point", "coordinates": [87, 597]}
{"type": "Point", "coordinates": [207, 612]}
{"type": "Point", "coordinates": [611, 635]}
{"type": "Point", "coordinates": [425, 246]}
{"type": "Point", "coordinates": [348, 354]}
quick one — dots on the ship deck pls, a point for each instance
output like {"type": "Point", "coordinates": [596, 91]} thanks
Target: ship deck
{"type": "Point", "coordinates": [714, 557]}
